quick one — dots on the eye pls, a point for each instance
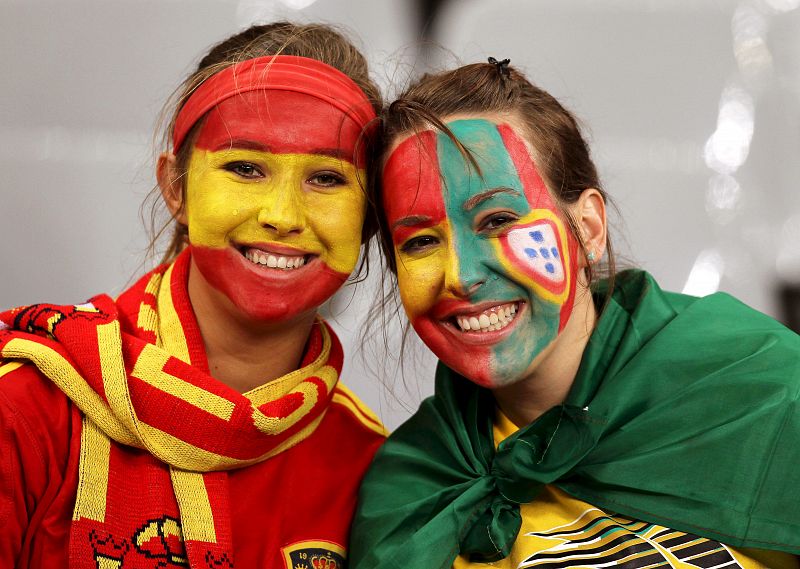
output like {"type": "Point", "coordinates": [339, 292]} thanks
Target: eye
{"type": "Point", "coordinates": [419, 244]}
{"type": "Point", "coordinates": [327, 179]}
{"type": "Point", "coordinates": [246, 170]}
{"type": "Point", "coordinates": [497, 220]}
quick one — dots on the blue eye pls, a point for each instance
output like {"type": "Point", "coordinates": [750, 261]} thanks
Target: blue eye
{"type": "Point", "coordinates": [417, 244]}
{"type": "Point", "coordinates": [246, 170]}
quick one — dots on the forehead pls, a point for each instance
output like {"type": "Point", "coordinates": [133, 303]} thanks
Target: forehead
{"type": "Point", "coordinates": [281, 122]}
{"type": "Point", "coordinates": [427, 172]}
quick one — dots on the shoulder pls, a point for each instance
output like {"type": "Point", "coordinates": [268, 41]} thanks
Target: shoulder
{"type": "Point", "coordinates": [345, 401]}
{"type": "Point", "coordinates": [32, 407]}
{"type": "Point", "coordinates": [717, 322]}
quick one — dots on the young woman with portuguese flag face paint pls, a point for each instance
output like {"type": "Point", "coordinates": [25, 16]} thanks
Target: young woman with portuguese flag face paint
{"type": "Point", "coordinates": [197, 420]}
{"type": "Point", "coordinates": [576, 422]}
{"type": "Point", "coordinates": [486, 264]}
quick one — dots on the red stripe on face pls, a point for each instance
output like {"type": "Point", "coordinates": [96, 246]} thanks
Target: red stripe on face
{"type": "Point", "coordinates": [566, 308]}
{"type": "Point", "coordinates": [539, 198]}
{"type": "Point", "coordinates": [281, 122]}
{"type": "Point", "coordinates": [534, 186]}
{"type": "Point", "coordinates": [263, 294]}
{"type": "Point", "coordinates": [412, 187]}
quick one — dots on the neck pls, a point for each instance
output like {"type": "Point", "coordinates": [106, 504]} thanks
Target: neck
{"type": "Point", "coordinates": [243, 353]}
{"type": "Point", "coordinates": [553, 371]}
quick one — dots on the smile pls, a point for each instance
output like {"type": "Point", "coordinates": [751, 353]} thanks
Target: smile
{"type": "Point", "coordinates": [273, 260]}
{"type": "Point", "coordinates": [489, 320]}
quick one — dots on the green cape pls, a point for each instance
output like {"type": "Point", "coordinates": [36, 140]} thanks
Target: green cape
{"type": "Point", "coordinates": [684, 413]}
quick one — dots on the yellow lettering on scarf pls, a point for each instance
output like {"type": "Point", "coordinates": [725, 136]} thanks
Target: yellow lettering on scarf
{"type": "Point", "coordinates": [67, 378]}
{"type": "Point", "coordinates": [196, 515]}
{"type": "Point", "coordinates": [90, 502]}
{"type": "Point", "coordinates": [149, 368]}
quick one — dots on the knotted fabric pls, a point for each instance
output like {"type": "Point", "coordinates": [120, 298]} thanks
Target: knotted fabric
{"type": "Point", "coordinates": [159, 433]}
{"type": "Point", "coordinates": [684, 412]}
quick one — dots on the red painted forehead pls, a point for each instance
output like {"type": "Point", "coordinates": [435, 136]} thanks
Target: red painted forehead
{"type": "Point", "coordinates": [412, 184]}
{"type": "Point", "coordinates": [281, 122]}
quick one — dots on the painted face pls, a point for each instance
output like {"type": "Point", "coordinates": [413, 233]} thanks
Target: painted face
{"type": "Point", "coordinates": [273, 202]}
{"type": "Point", "coordinates": [485, 263]}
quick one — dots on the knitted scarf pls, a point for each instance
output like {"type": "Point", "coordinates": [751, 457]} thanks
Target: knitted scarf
{"type": "Point", "coordinates": [684, 412]}
{"type": "Point", "coordinates": [159, 433]}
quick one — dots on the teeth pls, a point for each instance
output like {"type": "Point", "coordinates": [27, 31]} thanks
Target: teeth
{"type": "Point", "coordinates": [259, 257]}
{"type": "Point", "coordinates": [496, 318]}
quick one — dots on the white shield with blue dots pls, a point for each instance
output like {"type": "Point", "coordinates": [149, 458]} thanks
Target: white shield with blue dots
{"type": "Point", "coordinates": [536, 246]}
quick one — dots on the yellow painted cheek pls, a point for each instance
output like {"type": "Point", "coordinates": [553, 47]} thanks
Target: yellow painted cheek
{"type": "Point", "coordinates": [214, 202]}
{"type": "Point", "coordinates": [420, 281]}
{"type": "Point", "coordinates": [339, 218]}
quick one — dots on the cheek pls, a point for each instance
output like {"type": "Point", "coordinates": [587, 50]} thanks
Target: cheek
{"type": "Point", "coordinates": [338, 221]}
{"type": "Point", "coordinates": [213, 207]}
{"type": "Point", "coordinates": [418, 281]}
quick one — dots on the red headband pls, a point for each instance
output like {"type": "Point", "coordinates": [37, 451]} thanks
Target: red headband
{"type": "Point", "coordinates": [274, 72]}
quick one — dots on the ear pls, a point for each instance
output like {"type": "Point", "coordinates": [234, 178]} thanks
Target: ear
{"type": "Point", "coordinates": [590, 215]}
{"type": "Point", "coordinates": [171, 186]}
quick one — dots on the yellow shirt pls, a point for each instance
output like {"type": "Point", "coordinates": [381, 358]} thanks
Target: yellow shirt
{"type": "Point", "coordinates": [561, 531]}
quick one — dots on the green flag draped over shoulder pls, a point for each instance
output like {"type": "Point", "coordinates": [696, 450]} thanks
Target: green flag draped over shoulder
{"type": "Point", "coordinates": [684, 413]}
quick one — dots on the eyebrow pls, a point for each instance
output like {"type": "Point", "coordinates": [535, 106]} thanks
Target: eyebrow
{"type": "Point", "coordinates": [338, 153]}
{"type": "Point", "coordinates": [247, 144]}
{"type": "Point", "coordinates": [410, 221]}
{"type": "Point", "coordinates": [243, 144]}
{"type": "Point", "coordinates": [477, 199]}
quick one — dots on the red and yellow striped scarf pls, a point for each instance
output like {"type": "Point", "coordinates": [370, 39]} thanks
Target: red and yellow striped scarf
{"type": "Point", "coordinates": [159, 433]}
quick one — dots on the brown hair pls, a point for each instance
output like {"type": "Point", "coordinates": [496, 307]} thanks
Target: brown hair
{"type": "Point", "coordinates": [563, 157]}
{"type": "Point", "coordinates": [315, 41]}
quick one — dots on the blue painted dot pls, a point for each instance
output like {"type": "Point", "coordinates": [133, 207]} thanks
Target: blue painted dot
{"type": "Point", "coordinates": [531, 253]}
{"type": "Point", "coordinates": [537, 236]}
{"type": "Point", "coordinates": [550, 268]}
{"type": "Point", "coordinates": [554, 251]}
{"type": "Point", "coordinates": [544, 252]}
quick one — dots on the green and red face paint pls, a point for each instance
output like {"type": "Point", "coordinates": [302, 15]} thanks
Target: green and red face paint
{"type": "Point", "coordinates": [486, 264]}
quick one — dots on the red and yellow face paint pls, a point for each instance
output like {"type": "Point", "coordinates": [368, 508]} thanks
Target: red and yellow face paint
{"type": "Point", "coordinates": [486, 265]}
{"type": "Point", "coordinates": [273, 201]}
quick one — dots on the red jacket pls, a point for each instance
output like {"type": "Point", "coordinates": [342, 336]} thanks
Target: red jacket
{"type": "Point", "coordinates": [292, 510]}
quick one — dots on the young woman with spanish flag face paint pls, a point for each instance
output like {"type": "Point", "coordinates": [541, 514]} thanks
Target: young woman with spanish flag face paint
{"type": "Point", "coordinates": [274, 204]}
{"type": "Point", "coordinates": [198, 419]}
{"type": "Point", "coordinates": [575, 422]}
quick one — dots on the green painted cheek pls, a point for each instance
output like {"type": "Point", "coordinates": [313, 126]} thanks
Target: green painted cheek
{"type": "Point", "coordinates": [461, 182]}
{"type": "Point", "coordinates": [512, 357]}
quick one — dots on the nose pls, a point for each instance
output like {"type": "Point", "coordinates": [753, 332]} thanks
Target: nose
{"type": "Point", "coordinates": [282, 213]}
{"type": "Point", "coordinates": [464, 275]}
